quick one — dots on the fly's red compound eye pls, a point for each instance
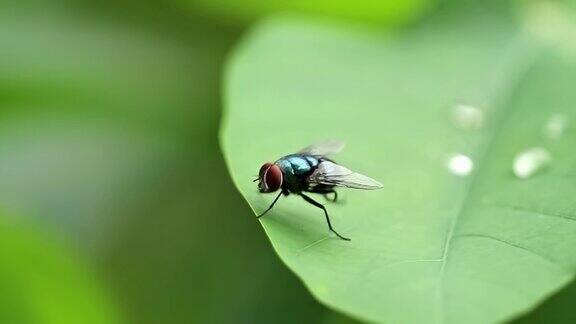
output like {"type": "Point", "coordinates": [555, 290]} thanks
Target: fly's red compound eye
{"type": "Point", "coordinates": [273, 178]}
{"type": "Point", "coordinates": [263, 169]}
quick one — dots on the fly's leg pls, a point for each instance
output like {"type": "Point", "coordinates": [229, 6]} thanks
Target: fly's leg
{"type": "Point", "coordinates": [317, 204]}
{"type": "Point", "coordinates": [325, 191]}
{"type": "Point", "coordinates": [331, 192]}
{"type": "Point", "coordinates": [272, 205]}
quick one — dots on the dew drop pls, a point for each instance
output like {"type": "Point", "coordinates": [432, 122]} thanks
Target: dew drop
{"type": "Point", "coordinates": [555, 126]}
{"type": "Point", "coordinates": [460, 165]}
{"type": "Point", "coordinates": [530, 161]}
{"type": "Point", "coordinates": [467, 117]}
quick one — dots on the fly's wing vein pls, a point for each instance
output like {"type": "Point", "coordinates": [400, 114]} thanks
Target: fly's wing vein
{"type": "Point", "coordinates": [329, 173]}
{"type": "Point", "coordinates": [324, 148]}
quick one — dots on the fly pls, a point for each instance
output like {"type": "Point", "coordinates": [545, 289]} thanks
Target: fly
{"type": "Point", "coordinates": [311, 171]}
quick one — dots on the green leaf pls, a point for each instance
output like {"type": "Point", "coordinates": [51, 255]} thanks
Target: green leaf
{"type": "Point", "coordinates": [431, 247]}
{"type": "Point", "coordinates": [44, 283]}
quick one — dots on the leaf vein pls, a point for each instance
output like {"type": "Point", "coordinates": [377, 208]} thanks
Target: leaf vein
{"type": "Point", "coordinates": [526, 62]}
{"type": "Point", "coordinates": [533, 211]}
{"type": "Point", "coordinates": [314, 244]}
{"type": "Point", "coordinates": [517, 246]}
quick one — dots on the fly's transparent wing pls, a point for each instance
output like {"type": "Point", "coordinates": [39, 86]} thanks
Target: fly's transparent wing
{"type": "Point", "coordinates": [323, 148]}
{"type": "Point", "coordinates": [329, 173]}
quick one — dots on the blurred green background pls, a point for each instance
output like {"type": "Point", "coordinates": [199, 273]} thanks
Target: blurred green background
{"type": "Point", "coordinates": [115, 201]}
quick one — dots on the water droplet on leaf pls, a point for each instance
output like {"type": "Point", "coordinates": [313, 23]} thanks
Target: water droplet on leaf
{"type": "Point", "coordinates": [530, 161]}
{"type": "Point", "coordinates": [555, 126]}
{"type": "Point", "coordinates": [467, 117]}
{"type": "Point", "coordinates": [460, 165]}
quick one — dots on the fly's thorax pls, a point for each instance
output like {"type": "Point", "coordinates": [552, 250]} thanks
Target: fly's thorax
{"type": "Point", "coordinates": [297, 164]}
{"type": "Point", "coordinates": [296, 168]}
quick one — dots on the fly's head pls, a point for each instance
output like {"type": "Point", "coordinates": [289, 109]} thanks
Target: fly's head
{"type": "Point", "coordinates": [269, 178]}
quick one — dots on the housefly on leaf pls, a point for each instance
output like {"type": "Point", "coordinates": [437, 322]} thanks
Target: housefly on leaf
{"type": "Point", "coordinates": [311, 171]}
